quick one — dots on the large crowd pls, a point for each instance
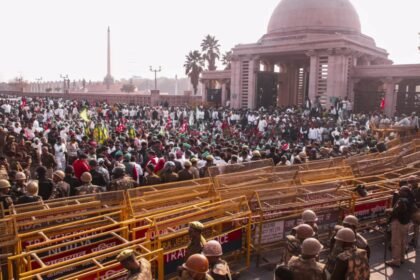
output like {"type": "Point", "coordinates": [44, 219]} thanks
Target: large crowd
{"type": "Point", "coordinates": [53, 148]}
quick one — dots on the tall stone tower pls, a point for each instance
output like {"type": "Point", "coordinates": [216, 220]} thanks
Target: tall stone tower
{"type": "Point", "coordinates": [109, 80]}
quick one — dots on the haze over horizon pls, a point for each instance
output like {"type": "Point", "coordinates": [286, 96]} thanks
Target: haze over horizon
{"type": "Point", "coordinates": [47, 38]}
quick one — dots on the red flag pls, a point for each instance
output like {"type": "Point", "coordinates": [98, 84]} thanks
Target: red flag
{"type": "Point", "coordinates": [383, 103]}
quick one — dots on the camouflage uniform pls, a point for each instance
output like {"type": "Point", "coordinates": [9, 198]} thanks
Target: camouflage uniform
{"type": "Point", "coordinates": [332, 257]}
{"type": "Point", "coordinates": [361, 242]}
{"type": "Point", "coordinates": [306, 269]}
{"type": "Point", "coordinates": [144, 274]}
{"type": "Point", "coordinates": [61, 189]}
{"type": "Point", "coordinates": [88, 189]}
{"type": "Point", "coordinates": [293, 247]}
{"type": "Point", "coordinates": [220, 271]}
{"type": "Point", "coordinates": [352, 264]}
{"type": "Point", "coordinates": [123, 183]}
{"type": "Point", "coordinates": [5, 201]}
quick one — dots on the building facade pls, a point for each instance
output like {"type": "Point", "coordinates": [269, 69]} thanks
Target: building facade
{"type": "Point", "coordinates": [315, 50]}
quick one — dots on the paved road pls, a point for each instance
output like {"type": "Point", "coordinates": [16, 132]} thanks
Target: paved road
{"type": "Point", "coordinates": [410, 270]}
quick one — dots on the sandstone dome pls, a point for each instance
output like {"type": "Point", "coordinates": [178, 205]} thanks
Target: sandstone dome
{"type": "Point", "coordinates": [315, 16]}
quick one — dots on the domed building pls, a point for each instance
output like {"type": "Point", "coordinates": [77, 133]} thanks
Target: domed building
{"type": "Point", "coordinates": [313, 50]}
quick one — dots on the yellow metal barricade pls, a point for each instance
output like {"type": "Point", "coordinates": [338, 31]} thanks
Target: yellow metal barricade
{"type": "Point", "coordinates": [227, 221]}
{"type": "Point", "coordinates": [276, 213]}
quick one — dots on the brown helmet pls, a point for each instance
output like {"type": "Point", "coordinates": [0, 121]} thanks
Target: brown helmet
{"type": "Point", "coordinates": [351, 220]}
{"type": "Point", "coordinates": [197, 263]}
{"type": "Point", "coordinates": [32, 188]}
{"type": "Point", "coordinates": [309, 216]}
{"type": "Point", "coordinates": [212, 249]}
{"type": "Point", "coordinates": [345, 235]}
{"type": "Point", "coordinates": [86, 177]}
{"type": "Point", "coordinates": [304, 231]}
{"type": "Point", "coordinates": [311, 247]}
{"type": "Point", "coordinates": [20, 176]}
{"type": "Point", "coordinates": [59, 174]}
{"type": "Point", "coordinates": [4, 184]}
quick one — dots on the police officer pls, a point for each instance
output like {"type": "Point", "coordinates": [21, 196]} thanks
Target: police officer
{"type": "Point", "coordinates": [137, 269]}
{"type": "Point", "coordinates": [352, 222]}
{"type": "Point", "coordinates": [197, 241]}
{"type": "Point", "coordinates": [219, 269]}
{"type": "Point", "coordinates": [413, 182]}
{"type": "Point", "coordinates": [294, 242]}
{"type": "Point", "coordinates": [310, 218]}
{"type": "Point", "coordinates": [196, 268]}
{"type": "Point", "coordinates": [403, 203]}
{"type": "Point", "coordinates": [5, 198]}
{"type": "Point", "coordinates": [305, 266]}
{"type": "Point", "coordinates": [87, 187]}
{"type": "Point", "coordinates": [352, 262]}
{"type": "Point", "coordinates": [19, 187]}
{"type": "Point", "coordinates": [120, 180]}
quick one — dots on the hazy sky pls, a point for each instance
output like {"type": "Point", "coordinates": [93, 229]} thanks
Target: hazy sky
{"type": "Point", "coordinates": [44, 38]}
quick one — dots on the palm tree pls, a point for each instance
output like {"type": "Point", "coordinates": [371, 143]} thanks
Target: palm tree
{"type": "Point", "coordinates": [227, 60]}
{"type": "Point", "coordinates": [211, 52]}
{"type": "Point", "coordinates": [194, 65]}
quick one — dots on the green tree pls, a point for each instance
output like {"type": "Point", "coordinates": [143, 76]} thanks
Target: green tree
{"type": "Point", "coordinates": [227, 60]}
{"type": "Point", "coordinates": [211, 52]}
{"type": "Point", "coordinates": [194, 65]}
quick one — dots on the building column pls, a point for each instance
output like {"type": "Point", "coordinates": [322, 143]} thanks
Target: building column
{"type": "Point", "coordinates": [252, 82]}
{"type": "Point", "coordinates": [390, 95]}
{"type": "Point", "coordinates": [337, 76]}
{"type": "Point", "coordinates": [313, 75]}
{"type": "Point", "coordinates": [352, 84]}
{"type": "Point", "coordinates": [224, 93]}
{"type": "Point", "coordinates": [235, 98]}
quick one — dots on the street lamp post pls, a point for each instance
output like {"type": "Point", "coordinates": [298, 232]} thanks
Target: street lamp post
{"type": "Point", "coordinates": [39, 83]}
{"type": "Point", "coordinates": [155, 71]}
{"type": "Point", "coordinates": [66, 83]}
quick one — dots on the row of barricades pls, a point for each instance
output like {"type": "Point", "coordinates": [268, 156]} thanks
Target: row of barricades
{"type": "Point", "coordinates": [247, 207]}
{"type": "Point", "coordinates": [85, 248]}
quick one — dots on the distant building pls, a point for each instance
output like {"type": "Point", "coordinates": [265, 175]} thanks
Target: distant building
{"type": "Point", "coordinates": [314, 50]}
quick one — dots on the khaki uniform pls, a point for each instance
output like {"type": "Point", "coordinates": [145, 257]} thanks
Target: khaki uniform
{"type": "Point", "coordinates": [123, 183]}
{"type": "Point", "coordinates": [195, 247]}
{"type": "Point", "coordinates": [306, 269]}
{"type": "Point", "coordinates": [353, 264]}
{"type": "Point", "coordinates": [145, 271]}
{"type": "Point", "coordinates": [220, 271]}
